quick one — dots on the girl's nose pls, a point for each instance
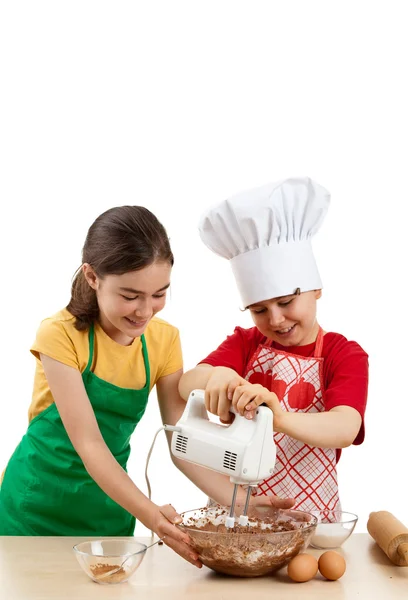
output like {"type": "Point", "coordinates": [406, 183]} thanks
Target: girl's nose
{"type": "Point", "coordinates": [276, 317]}
{"type": "Point", "coordinates": [143, 315]}
{"type": "Point", "coordinates": [144, 310]}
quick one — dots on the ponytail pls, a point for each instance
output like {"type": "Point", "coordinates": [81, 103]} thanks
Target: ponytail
{"type": "Point", "coordinates": [83, 304]}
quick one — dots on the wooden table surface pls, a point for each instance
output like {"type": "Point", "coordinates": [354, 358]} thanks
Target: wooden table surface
{"type": "Point", "coordinates": [45, 568]}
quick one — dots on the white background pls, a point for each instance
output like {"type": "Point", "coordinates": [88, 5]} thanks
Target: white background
{"type": "Point", "coordinates": [175, 106]}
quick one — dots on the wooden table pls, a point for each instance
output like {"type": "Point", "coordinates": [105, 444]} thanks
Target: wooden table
{"type": "Point", "coordinates": [45, 568]}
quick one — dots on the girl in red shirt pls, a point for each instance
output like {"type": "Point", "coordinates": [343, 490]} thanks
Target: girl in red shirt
{"type": "Point", "coordinates": [315, 382]}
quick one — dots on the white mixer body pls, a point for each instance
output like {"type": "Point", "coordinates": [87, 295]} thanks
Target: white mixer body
{"type": "Point", "coordinates": [244, 450]}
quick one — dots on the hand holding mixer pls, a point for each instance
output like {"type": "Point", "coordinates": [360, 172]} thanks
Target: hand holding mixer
{"type": "Point", "coordinates": [244, 450]}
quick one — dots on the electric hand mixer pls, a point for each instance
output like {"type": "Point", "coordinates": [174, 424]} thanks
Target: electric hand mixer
{"type": "Point", "coordinates": [244, 450]}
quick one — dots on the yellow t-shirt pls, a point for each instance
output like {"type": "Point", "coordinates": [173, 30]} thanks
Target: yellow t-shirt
{"type": "Point", "coordinates": [120, 365]}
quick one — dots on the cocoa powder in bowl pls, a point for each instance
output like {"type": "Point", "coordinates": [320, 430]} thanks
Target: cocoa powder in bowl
{"type": "Point", "coordinates": [271, 538]}
{"type": "Point", "coordinates": [100, 570]}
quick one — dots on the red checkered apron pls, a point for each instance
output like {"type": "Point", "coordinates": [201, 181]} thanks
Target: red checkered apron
{"type": "Point", "coordinates": [301, 472]}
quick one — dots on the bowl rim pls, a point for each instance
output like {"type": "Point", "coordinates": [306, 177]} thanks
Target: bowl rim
{"type": "Point", "coordinates": [308, 527]}
{"type": "Point", "coordinates": [353, 519]}
{"type": "Point", "coordinates": [121, 555]}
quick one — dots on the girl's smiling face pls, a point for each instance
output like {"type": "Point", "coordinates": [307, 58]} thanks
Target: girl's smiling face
{"type": "Point", "coordinates": [288, 320]}
{"type": "Point", "coordinates": [128, 302]}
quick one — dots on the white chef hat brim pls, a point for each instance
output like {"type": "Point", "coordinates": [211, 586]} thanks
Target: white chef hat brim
{"type": "Point", "coordinates": [297, 270]}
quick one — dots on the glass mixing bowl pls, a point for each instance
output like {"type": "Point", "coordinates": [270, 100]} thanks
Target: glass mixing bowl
{"type": "Point", "coordinates": [110, 560]}
{"type": "Point", "coordinates": [271, 538]}
{"type": "Point", "coordinates": [334, 527]}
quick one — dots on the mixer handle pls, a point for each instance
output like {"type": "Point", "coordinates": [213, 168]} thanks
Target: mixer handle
{"type": "Point", "coordinates": [196, 405]}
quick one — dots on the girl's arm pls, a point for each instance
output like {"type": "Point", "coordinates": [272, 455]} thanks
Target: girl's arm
{"type": "Point", "coordinates": [194, 379]}
{"type": "Point", "coordinates": [82, 428]}
{"type": "Point", "coordinates": [336, 428]}
{"type": "Point", "coordinates": [213, 484]}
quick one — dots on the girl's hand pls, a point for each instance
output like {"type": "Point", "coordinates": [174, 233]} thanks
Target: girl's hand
{"type": "Point", "coordinates": [164, 525]}
{"type": "Point", "coordinates": [247, 397]}
{"type": "Point", "coordinates": [219, 392]}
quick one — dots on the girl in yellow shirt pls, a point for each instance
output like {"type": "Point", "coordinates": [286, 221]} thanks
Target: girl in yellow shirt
{"type": "Point", "coordinates": [97, 361]}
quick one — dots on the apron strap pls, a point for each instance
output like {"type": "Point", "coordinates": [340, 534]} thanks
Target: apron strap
{"type": "Point", "coordinates": [319, 344]}
{"type": "Point", "coordinates": [146, 361]}
{"type": "Point", "coordinates": [91, 338]}
{"type": "Point", "coordinates": [144, 350]}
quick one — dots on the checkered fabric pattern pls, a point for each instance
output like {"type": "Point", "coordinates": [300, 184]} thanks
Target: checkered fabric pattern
{"type": "Point", "coordinates": [301, 472]}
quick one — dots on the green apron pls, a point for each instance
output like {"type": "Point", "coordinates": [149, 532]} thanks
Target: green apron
{"type": "Point", "coordinates": [46, 489]}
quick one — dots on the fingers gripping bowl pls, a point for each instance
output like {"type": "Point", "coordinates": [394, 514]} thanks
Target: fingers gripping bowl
{"type": "Point", "coordinates": [271, 538]}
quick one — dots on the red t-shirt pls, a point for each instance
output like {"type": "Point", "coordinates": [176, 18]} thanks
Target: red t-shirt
{"type": "Point", "coordinates": [345, 366]}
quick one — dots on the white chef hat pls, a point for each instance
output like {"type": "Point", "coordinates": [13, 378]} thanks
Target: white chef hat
{"type": "Point", "coordinates": [266, 235]}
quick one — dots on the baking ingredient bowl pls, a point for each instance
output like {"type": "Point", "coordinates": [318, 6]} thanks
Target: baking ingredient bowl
{"type": "Point", "coordinates": [271, 538]}
{"type": "Point", "coordinates": [334, 527]}
{"type": "Point", "coordinates": [111, 560]}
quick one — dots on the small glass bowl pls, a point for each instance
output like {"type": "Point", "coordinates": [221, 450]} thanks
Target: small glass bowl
{"type": "Point", "coordinates": [99, 558]}
{"type": "Point", "coordinates": [334, 527]}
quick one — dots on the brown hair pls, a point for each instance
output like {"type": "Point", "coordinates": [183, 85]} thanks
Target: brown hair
{"type": "Point", "coordinates": [122, 239]}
